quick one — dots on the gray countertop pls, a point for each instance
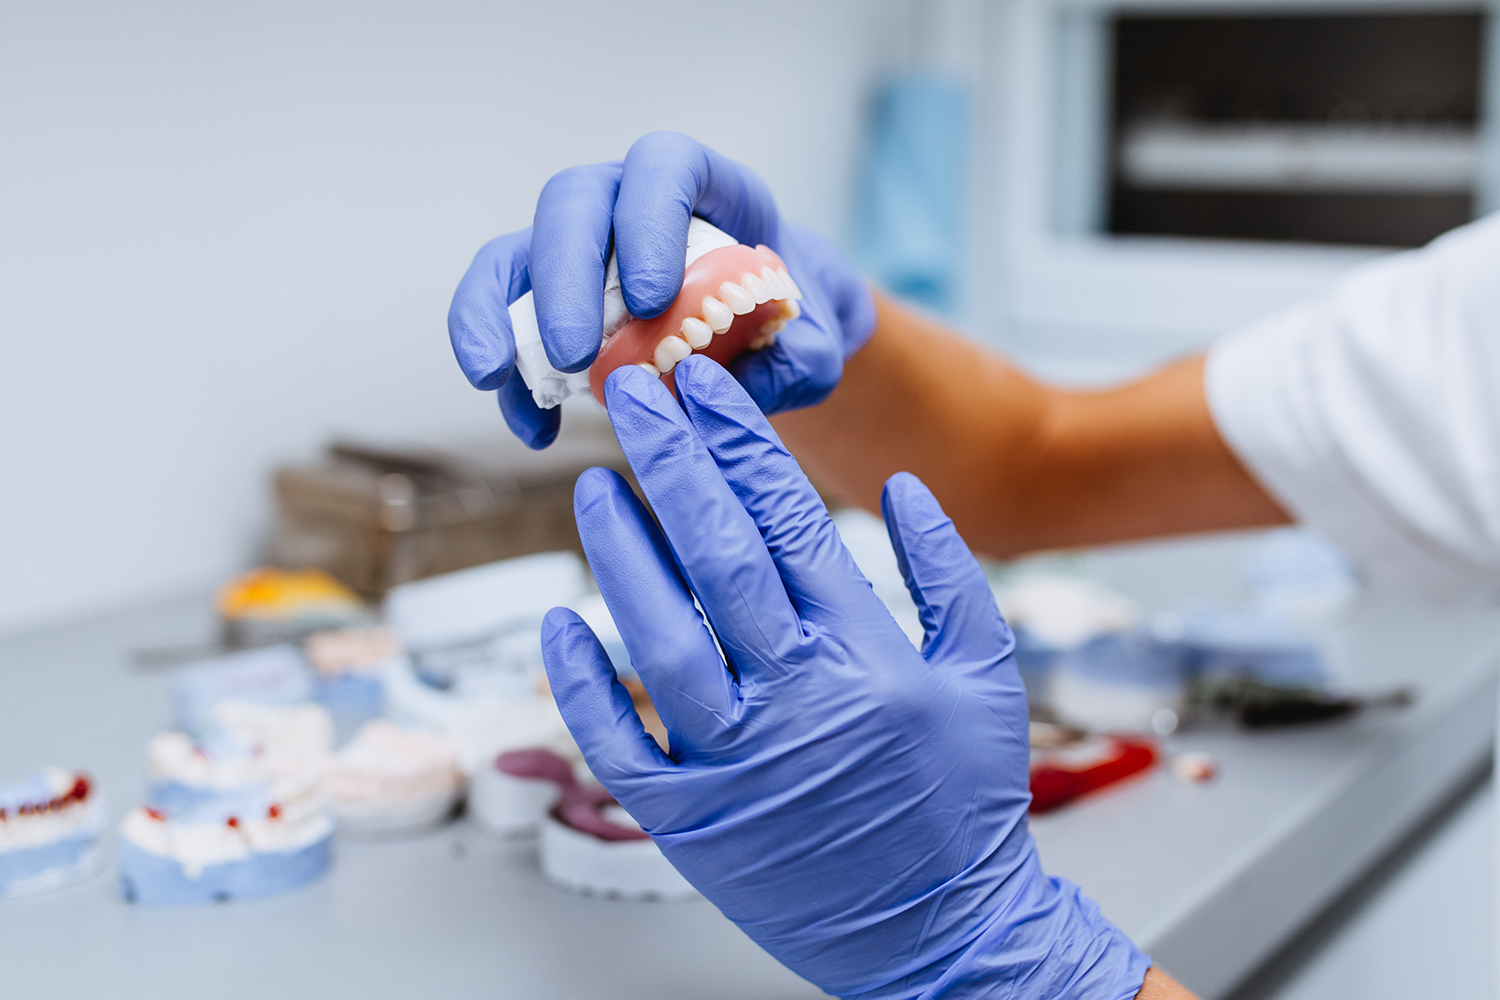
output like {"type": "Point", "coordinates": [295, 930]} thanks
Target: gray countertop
{"type": "Point", "coordinates": [1210, 879]}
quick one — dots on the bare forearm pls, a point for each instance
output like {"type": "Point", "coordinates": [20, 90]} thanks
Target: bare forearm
{"type": "Point", "coordinates": [1019, 465]}
{"type": "Point", "coordinates": [1160, 986]}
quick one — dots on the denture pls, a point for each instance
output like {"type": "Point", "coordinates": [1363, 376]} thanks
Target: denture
{"type": "Point", "coordinates": [734, 299]}
{"type": "Point", "coordinates": [588, 842]}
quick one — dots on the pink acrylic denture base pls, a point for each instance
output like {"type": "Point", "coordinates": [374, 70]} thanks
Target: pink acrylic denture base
{"type": "Point", "coordinates": [579, 806]}
{"type": "Point", "coordinates": [636, 341]}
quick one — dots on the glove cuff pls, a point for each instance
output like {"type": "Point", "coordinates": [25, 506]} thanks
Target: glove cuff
{"type": "Point", "coordinates": [1049, 940]}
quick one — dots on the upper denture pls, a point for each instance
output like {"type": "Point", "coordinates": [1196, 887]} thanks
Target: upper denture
{"type": "Point", "coordinates": [733, 299]}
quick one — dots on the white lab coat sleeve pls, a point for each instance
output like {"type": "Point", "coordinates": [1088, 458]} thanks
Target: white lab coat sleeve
{"type": "Point", "coordinates": [1373, 413]}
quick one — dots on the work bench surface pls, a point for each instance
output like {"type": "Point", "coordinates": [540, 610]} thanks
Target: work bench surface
{"type": "Point", "coordinates": [1208, 878]}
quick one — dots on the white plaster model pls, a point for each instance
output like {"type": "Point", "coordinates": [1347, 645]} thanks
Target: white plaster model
{"type": "Point", "coordinates": [477, 631]}
{"type": "Point", "coordinates": [196, 846]}
{"type": "Point", "coordinates": [509, 806]}
{"type": "Point", "coordinates": [293, 738]}
{"type": "Point", "coordinates": [620, 869]}
{"type": "Point", "coordinates": [548, 386]}
{"type": "Point", "coordinates": [391, 777]}
{"type": "Point", "coordinates": [229, 774]}
{"type": "Point", "coordinates": [228, 818]}
{"type": "Point", "coordinates": [50, 827]}
{"type": "Point", "coordinates": [479, 727]}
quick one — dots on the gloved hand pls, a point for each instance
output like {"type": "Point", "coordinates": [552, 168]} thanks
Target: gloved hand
{"type": "Point", "coordinates": [857, 807]}
{"type": "Point", "coordinates": [646, 202]}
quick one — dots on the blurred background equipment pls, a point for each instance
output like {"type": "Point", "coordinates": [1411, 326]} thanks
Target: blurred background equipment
{"type": "Point", "coordinates": [378, 516]}
{"type": "Point", "coordinates": [269, 605]}
{"type": "Point", "coordinates": [1356, 127]}
{"type": "Point", "coordinates": [1161, 175]}
{"type": "Point", "coordinates": [909, 228]}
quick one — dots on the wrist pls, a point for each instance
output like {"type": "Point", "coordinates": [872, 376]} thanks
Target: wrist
{"type": "Point", "coordinates": [1050, 937]}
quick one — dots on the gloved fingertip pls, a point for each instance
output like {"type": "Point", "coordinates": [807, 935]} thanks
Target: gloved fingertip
{"type": "Point", "coordinates": [571, 354]}
{"type": "Point", "coordinates": [706, 389]}
{"type": "Point", "coordinates": [537, 428]}
{"type": "Point", "coordinates": [577, 665]}
{"type": "Point", "coordinates": [631, 383]}
{"type": "Point", "coordinates": [490, 380]}
{"type": "Point", "coordinates": [557, 623]}
{"type": "Point", "coordinates": [663, 145]}
{"type": "Point", "coordinates": [556, 620]}
{"type": "Point", "coordinates": [649, 294]}
{"type": "Point", "coordinates": [913, 517]}
{"type": "Point", "coordinates": [595, 486]}
{"type": "Point", "coordinates": [911, 496]}
{"type": "Point", "coordinates": [485, 355]}
{"type": "Point", "coordinates": [597, 709]}
{"type": "Point", "coordinates": [698, 375]}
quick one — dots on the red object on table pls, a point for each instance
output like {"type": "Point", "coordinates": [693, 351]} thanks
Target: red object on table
{"type": "Point", "coordinates": [1053, 784]}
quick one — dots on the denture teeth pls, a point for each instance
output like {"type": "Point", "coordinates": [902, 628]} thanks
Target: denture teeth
{"type": "Point", "coordinates": [773, 326]}
{"type": "Point", "coordinates": [650, 369]}
{"type": "Point", "coordinates": [790, 310]}
{"type": "Point", "coordinates": [773, 282]}
{"type": "Point", "coordinates": [670, 351]}
{"type": "Point", "coordinates": [696, 332]}
{"type": "Point", "coordinates": [736, 298]}
{"type": "Point", "coordinates": [716, 314]}
{"type": "Point", "coordinates": [758, 289]}
{"type": "Point", "coordinates": [764, 340]}
{"type": "Point", "coordinates": [793, 291]}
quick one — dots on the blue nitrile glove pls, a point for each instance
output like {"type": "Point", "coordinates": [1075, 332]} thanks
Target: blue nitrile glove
{"type": "Point", "coordinates": [646, 202]}
{"type": "Point", "coordinates": [856, 807]}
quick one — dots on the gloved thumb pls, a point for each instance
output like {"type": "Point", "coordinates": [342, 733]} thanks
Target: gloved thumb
{"type": "Point", "coordinates": [962, 624]}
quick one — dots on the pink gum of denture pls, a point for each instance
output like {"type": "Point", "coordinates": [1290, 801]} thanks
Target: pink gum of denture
{"type": "Point", "coordinates": [638, 340]}
{"type": "Point", "coordinates": [579, 806]}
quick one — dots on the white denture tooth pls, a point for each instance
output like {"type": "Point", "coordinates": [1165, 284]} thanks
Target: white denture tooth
{"type": "Point", "coordinates": [773, 326]}
{"type": "Point", "coordinates": [763, 341]}
{"type": "Point", "coordinates": [790, 310]}
{"type": "Point", "coordinates": [716, 314]}
{"type": "Point", "coordinates": [736, 298]}
{"type": "Point", "coordinates": [758, 289]}
{"type": "Point", "coordinates": [773, 282]}
{"type": "Point", "coordinates": [696, 332]}
{"type": "Point", "coordinates": [649, 369]}
{"type": "Point", "coordinates": [670, 351]}
{"type": "Point", "coordinates": [793, 292]}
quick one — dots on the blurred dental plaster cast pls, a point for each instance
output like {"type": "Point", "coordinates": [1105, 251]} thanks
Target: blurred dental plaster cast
{"type": "Point", "coordinates": [1371, 413]}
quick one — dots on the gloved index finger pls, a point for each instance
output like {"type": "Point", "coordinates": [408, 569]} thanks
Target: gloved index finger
{"type": "Point", "coordinates": [713, 539]}
{"type": "Point", "coordinates": [822, 579]}
{"type": "Point", "coordinates": [666, 179]}
{"type": "Point", "coordinates": [479, 317]}
{"type": "Point", "coordinates": [569, 250]}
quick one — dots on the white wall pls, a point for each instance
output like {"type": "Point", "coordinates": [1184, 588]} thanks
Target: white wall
{"type": "Point", "coordinates": [228, 232]}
